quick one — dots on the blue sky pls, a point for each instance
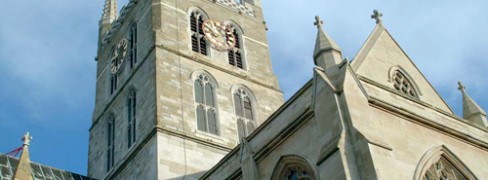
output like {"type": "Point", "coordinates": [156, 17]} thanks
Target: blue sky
{"type": "Point", "coordinates": [47, 50]}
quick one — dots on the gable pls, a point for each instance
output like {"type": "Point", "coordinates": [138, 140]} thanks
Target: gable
{"type": "Point", "coordinates": [381, 58]}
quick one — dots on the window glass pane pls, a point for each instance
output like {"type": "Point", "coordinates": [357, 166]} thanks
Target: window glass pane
{"type": "Point", "coordinates": [129, 111]}
{"type": "Point", "coordinates": [129, 135]}
{"type": "Point", "coordinates": [240, 129]}
{"type": "Point", "coordinates": [201, 119]}
{"type": "Point", "coordinates": [248, 109]}
{"type": "Point", "coordinates": [212, 122]}
{"type": "Point", "coordinates": [293, 175]}
{"type": "Point", "coordinates": [237, 102]}
{"type": "Point", "coordinates": [209, 99]}
{"type": "Point", "coordinates": [198, 91]}
{"type": "Point", "coordinates": [134, 105]}
{"type": "Point", "coordinates": [134, 130]}
{"type": "Point", "coordinates": [109, 134]}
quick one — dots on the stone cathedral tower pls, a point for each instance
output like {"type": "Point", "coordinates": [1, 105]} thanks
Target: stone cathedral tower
{"type": "Point", "coordinates": [179, 84]}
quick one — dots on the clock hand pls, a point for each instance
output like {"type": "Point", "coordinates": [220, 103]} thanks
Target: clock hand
{"type": "Point", "coordinates": [214, 31]}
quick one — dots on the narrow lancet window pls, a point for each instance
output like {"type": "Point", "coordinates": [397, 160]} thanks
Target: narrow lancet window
{"type": "Point", "coordinates": [110, 141]}
{"type": "Point", "coordinates": [131, 116]}
{"type": "Point", "coordinates": [133, 45]}
{"type": "Point", "coordinates": [113, 83]}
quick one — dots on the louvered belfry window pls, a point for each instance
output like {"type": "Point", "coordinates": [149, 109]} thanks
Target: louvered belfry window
{"type": "Point", "coordinates": [206, 110]}
{"type": "Point", "coordinates": [235, 53]}
{"type": "Point", "coordinates": [198, 41]}
{"type": "Point", "coordinates": [244, 112]}
{"type": "Point", "coordinates": [131, 116]}
{"type": "Point", "coordinates": [402, 84]}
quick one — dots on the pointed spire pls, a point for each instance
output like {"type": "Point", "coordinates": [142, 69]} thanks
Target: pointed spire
{"type": "Point", "coordinates": [471, 110]}
{"type": "Point", "coordinates": [109, 12]}
{"type": "Point", "coordinates": [23, 170]}
{"type": "Point", "coordinates": [327, 53]}
{"type": "Point", "coordinates": [109, 15]}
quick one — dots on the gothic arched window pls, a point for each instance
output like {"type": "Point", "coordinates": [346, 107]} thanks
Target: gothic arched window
{"type": "Point", "coordinates": [198, 40]}
{"type": "Point", "coordinates": [133, 45]}
{"type": "Point", "coordinates": [293, 167]}
{"type": "Point", "coordinates": [131, 117]}
{"type": "Point", "coordinates": [443, 170]}
{"type": "Point", "coordinates": [245, 112]}
{"type": "Point", "coordinates": [235, 54]}
{"type": "Point", "coordinates": [206, 111]}
{"type": "Point", "coordinates": [110, 141]}
{"type": "Point", "coordinates": [439, 163]}
{"type": "Point", "coordinates": [403, 84]}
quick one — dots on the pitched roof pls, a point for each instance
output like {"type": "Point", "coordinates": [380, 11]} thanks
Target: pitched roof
{"type": "Point", "coordinates": [39, 171]}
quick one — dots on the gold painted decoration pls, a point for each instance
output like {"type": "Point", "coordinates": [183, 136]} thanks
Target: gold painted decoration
{"type": "Point", "coordinates": [220, 36]}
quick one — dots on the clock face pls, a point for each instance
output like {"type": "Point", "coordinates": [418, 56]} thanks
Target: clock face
{"type": "Point", "coordinates": [118, 56]}
{"type": "Point", "coordinates": [220, 36]}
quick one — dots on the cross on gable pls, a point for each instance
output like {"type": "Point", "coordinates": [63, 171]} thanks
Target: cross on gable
{"type": "Point", "coordinates": [377, 16]}
{"type": "Point", "coordinates": [318, 22]}
{"type": "Point", "coordinates": [27, 138]}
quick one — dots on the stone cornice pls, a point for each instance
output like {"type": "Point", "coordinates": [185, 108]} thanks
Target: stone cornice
{"type": "Point", "coordinates": [438, 127]}
{"type": "Point", "coordinates": [207, 61]}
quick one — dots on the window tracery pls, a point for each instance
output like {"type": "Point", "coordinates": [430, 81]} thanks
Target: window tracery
{"type": "Point", "coordinates": [439, 163]}
{"type": "Point", "coordinates": [292, 167]}
{"type": "Point", "coordinates": [402, 84]}
{"type": "Point", "coordinates": [443, 170]}
{"type": "Point", "coordinates": [206, 111]}
{"type": "Point", "coordinates": [296, 173]}
{"type": "Point", "coordinates": [245, 113]}
{"type": "Point", "coordinates": [198, 40]}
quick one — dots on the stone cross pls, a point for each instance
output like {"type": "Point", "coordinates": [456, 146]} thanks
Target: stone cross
{"type": "Point", "coordinates": [461, 86]}
{"type": "Point", "coordinates": [27, 138]}
{"type": "Point", "coordinates": [377, 16]}
{"type": "Point", "coordinates": [318, 22]}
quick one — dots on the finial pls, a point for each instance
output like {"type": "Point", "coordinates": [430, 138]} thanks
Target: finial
{"type": "Point", "coordinates": [461, 86]}
{"type": "Point", "coordinates": [318, 22]}
{"type": "Point", "coordinates": [27, 138]}
{"type": "Point", "coordinates": [377, 16]}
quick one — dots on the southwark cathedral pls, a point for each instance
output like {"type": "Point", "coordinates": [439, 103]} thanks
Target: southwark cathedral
{"type": "Point", "coordinates": [185, 90]}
